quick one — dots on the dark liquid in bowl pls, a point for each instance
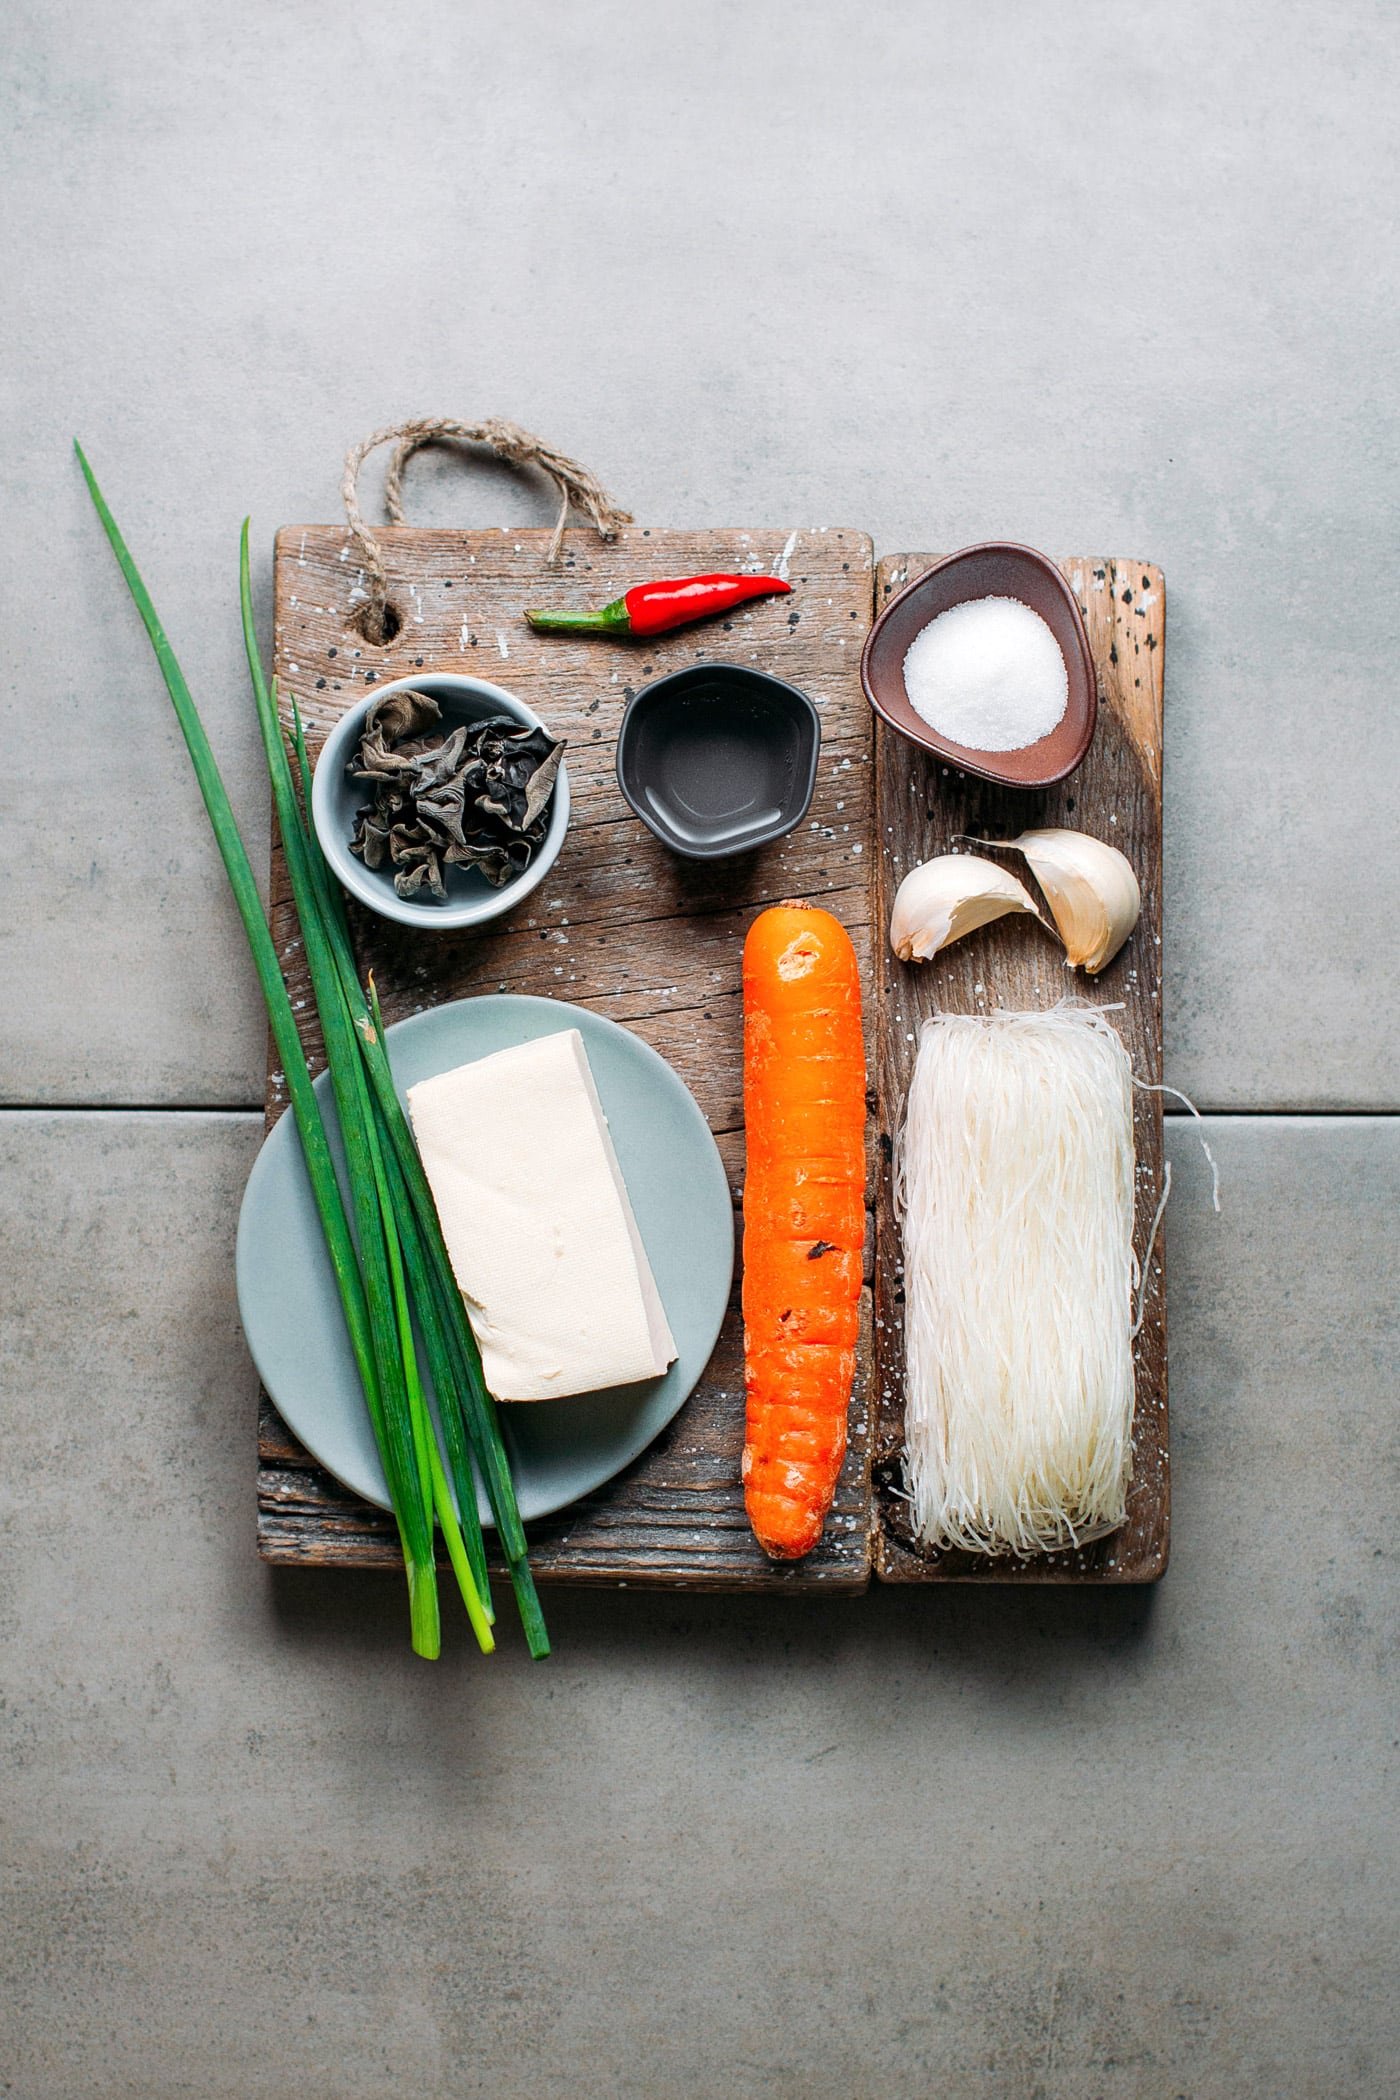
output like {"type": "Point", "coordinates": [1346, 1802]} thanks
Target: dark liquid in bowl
{"type": "Point", "coordinates": [718, 765]}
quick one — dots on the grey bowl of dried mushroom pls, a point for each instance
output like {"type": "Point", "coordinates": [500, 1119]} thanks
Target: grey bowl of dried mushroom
{"type": "Point", "coordinates": [440, 801]}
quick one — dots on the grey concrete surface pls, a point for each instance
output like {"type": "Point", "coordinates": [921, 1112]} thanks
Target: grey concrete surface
{"type": "Point", "coordinates": [1134, 1846]}
{"type": "Point", "coordinates": [1100, 280]}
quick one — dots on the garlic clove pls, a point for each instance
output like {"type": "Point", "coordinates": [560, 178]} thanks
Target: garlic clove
{"type": "Point", "coordinates": [1091, 890]}
{"type": "Point", "coordinates": [943, 899]}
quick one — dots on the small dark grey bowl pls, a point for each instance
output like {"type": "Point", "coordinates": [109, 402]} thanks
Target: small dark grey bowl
{"type": "Point", "coordinates": [719, 758]}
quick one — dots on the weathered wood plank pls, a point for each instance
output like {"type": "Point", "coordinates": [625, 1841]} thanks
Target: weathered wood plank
{"type": "Point", "coordinates": [676, 1517]}
{"type": "Point", "coordinates": [924, 808]}
{"type": "Point", "coordinates": [623, 927]}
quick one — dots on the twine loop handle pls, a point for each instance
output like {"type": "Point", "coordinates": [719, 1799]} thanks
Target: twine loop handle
{"type": "Point", "coordinates": [578, 489]}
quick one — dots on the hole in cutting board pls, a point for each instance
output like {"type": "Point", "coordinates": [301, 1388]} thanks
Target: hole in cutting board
{"type": "Point", "coordinates": [378, 626]}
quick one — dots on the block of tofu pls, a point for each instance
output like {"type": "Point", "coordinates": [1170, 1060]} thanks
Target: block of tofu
{"type": "Point", "coordinates": [535, 1214]}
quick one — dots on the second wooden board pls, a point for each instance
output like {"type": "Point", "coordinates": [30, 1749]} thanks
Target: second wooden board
{"type": "Point", "coordinates": [923, 808]}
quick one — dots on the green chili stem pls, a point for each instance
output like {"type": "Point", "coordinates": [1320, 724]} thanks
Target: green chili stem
{"type": "Point", "coordinates": [602, 619]}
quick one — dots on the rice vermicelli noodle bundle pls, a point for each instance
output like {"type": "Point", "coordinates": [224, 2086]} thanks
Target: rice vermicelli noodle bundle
{"type": "Point", "coordinates": [1015, 1185]}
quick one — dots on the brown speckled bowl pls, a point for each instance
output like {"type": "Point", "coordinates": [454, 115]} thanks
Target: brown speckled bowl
{"type": "Point", "coordinates": [996, 569]}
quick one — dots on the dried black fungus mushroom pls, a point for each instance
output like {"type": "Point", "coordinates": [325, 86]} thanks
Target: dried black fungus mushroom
{"type": "Point", "coordinates": [478, 797]}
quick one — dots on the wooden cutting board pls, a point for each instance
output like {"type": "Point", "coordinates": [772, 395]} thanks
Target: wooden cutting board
{"type": "Point", "coordinates": [923, 808]}
{"type": "Point", "coordinates": [655, 943]}
{"type": "Point", "coordinates": [621, 926]}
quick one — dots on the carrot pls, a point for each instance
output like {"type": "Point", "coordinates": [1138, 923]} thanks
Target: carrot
{"type": "Point", "coordinates": [804, 1217]}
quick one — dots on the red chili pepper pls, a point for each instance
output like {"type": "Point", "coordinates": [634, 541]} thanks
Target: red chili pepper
{"type": "Point", "coordinates": [652, 608]}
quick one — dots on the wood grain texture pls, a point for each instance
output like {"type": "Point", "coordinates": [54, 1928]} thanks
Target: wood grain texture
{"type": "Point", "coordinates": [924, 808]}
{"type": "Point", "coordinates": [622, 927]}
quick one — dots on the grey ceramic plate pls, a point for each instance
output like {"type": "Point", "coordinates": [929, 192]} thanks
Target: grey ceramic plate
{"type": "Point", "coordinates": [560, 1449]}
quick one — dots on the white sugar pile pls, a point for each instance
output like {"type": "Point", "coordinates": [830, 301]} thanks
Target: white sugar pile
{"type": "Point", "coordinates": [988, 675]}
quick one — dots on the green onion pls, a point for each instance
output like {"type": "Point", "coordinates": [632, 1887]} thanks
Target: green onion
{"type": "Point", "coordinates": [396, 1272]}
{"type": "Point", "coordinates": [331, 905]}
{"type": "Point", "coordinates": [453, 1356]}
{"type": "Point", "coordinates": [413, 1468]}
{"type": "Point", "coordinates": [458, 1377]}
{"type": "Point", "coordinates": [478, 1407]}
{"type": "Point", "coordinates": [406, 1468]}
{"type": "Point", "coordinates": [422, 1583]}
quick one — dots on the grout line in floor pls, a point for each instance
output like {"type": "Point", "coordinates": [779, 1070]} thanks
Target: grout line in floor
{"type": "Point", "coordinates": [131, 1108]}
{"type": "Point", "coordinates": [256, 1108]}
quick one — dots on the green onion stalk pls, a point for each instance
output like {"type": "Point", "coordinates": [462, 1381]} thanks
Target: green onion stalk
{"type": "Point", "coordinates": [453, 1354]}
{"type": "Point", "coordinates": [402, 1266]}
{"type": "Point", "coordinates": [368, 1033]}
{"type": "Point", "coordinates": [329, 906]}
{"type": "Point", "coordinates": [413, 1467]}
